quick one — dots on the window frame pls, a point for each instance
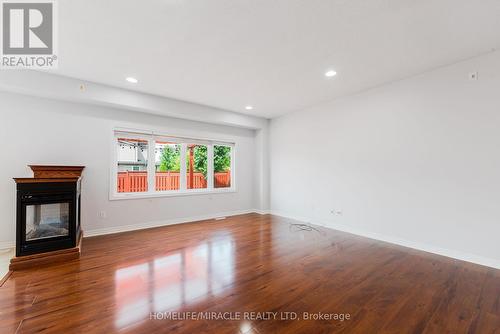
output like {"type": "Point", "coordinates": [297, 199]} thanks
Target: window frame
{"type": "Point", "coordinates": [232, 169]}
{"type": "Point", "coordinates": [152, 137]}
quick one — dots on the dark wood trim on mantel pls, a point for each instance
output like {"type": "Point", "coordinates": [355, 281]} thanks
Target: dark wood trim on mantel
{"type": "Point", "coordinates": [44, 180]}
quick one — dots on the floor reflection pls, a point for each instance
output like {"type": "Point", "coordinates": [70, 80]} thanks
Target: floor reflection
{"type": "Point", "coordinates": [175, 280]}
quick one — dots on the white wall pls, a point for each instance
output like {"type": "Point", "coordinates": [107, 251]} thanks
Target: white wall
{"type": "Point", "coordinates": [40, 131]}
{"type": "Point", "coordinates": [416, 162]}
{"type": "Point", "coordinates": [262, 170]}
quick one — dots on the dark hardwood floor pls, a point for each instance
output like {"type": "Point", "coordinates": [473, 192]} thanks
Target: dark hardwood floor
{"type": "Point", "coordinates": [131, 282]}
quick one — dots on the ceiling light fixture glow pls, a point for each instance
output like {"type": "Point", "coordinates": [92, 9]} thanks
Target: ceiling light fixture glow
{"type": "Point", "coordinates": [248, 107]}
{"type": "Point", "coordinates": [132, 80]}
{"type": "Point", "coordinates": [330, 73]}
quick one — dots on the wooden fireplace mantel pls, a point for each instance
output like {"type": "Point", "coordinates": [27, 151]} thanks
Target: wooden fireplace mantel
{"type": "Point", "coordinates": [52, 173]}
{"type": "Point", "coordinates": [59, 183]}
{"type": "Point", "coordinates": [56, 172]}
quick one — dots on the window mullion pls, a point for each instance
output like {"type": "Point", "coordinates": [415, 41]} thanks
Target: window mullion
{"type": "Point", "coordinates": [210, 167]}
{"type": "Point", "coordinates": [182, 181]}
{"type": "Point", "coordinates": [114, 168]}
{"type": "Point", "coordinates": [151, 166]}
{"type": "Point", "coordinates": [233, 167]}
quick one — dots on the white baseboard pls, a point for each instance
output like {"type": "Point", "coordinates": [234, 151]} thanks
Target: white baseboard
{"type": "Point", "coordinates": [451, 253]}
{"type": "Point", "coordinates": [262, 212]}
{"type": "Point", "coordinates": [141, 226]}
{"type": "Point", "coordinates": [7, 245]}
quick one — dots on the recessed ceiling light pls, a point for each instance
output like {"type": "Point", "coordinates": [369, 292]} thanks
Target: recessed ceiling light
{"type": "Point", "coordinates": [132, 80]}
{"type": "Point", "coordinates": [330, 73]}
{"type": "Point", "coordinates": [248, 107]}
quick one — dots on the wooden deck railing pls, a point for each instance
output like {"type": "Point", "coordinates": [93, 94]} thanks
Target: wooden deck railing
{"type": "Point", "coordinates": [222, 180]}
{"type": "Point", "coordinates": [137, 181]}
{"type": "Point", "coordinates": [167, 181]}
{"type": "Point", "coordinates": [132, 182]}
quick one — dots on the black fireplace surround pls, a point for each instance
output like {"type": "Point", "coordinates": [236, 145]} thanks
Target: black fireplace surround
{"type": "Point", "coordinates": [48, 216]}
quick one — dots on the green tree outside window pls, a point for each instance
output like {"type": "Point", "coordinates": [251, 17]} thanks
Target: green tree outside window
{"type": "Point", "coordinates": [170, 159]}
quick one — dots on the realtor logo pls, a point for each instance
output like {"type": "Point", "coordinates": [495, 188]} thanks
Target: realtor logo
{"type": "Point", "coordinates": [28, 34]}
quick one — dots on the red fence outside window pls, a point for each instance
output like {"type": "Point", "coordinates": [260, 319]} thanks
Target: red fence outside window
{"type": "Point", "coordinates": [137, 181]}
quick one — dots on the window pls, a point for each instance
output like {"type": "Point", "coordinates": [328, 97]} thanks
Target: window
{"type": "Point", "coordinates": [168, 166]}
{"type": "Point", "coordinates": [222, 166]}
{"type": "Point", "coordinates": [132, 165]}
{"type": "Point", "coordinates": [196, 166]}
{"type": "Point", "coordinates": [151, 164]}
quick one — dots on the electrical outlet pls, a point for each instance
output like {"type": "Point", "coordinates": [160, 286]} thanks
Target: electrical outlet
{"type": "Point", "coordinates": [102, 214]}
{"type": "Point", "coordinates": [336, 212]}
{"type": "Point", "coordinates": [473, 76]}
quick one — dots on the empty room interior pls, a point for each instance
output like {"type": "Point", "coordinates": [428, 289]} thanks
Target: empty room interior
{"type": "Point", "coordinates": [251, 167]}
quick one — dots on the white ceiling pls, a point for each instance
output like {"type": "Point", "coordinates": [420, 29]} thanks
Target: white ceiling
{"type": "Point", "coordinates": [270, 54]}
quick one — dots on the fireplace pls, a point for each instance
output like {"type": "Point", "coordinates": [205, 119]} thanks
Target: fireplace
{"type": "Point", "coordinates": [48, 211]}
{"type": "Point", "coordinates": [46, 220]}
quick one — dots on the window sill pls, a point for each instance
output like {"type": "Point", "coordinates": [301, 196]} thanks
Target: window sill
{"type": "Point", "coordinates": [125, 196]}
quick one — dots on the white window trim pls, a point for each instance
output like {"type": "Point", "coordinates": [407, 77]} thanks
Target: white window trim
{"type": "Point", "coordinates": [151, 137]}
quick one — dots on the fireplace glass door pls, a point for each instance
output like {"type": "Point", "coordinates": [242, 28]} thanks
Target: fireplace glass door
{"type": "Point", "coordinates": [47, 221]}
